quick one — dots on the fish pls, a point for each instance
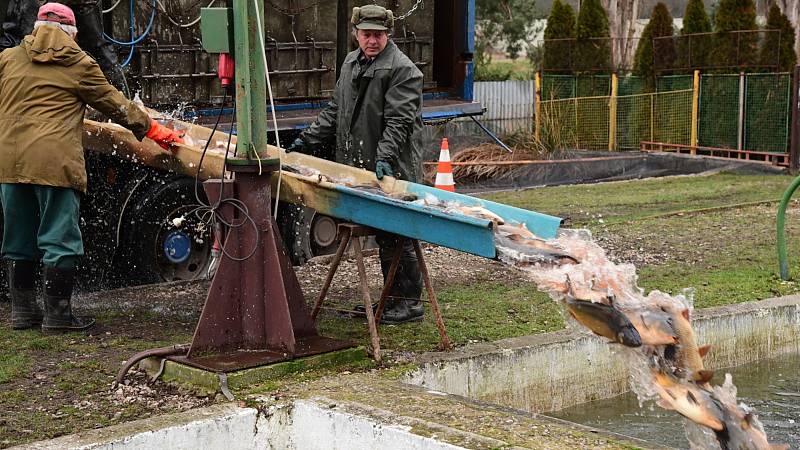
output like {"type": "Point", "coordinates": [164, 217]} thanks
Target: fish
{"type": "Point", "coordinates": [686, 356]}
{"type": "Point", "coordinates": [481, 213]}
{"type": "Point", "coordinates": [741, 431]}
{"type": "Point", "coordinates": [533, 246]}
{"type": "Point", "coordinates": [654, 326]}
{"type": "Point", "coordinates": [690, 401]}
{"type": "Point", "coordinates": [518, 230]}
{"type": "Point", "coordinates": [605, 320]}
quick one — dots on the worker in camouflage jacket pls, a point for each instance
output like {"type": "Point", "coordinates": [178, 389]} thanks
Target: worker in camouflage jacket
{"type": "Point", "coordinates": [45, 84]}
{"type": "Point", "coordinates": [375, 118]}
{"type": "Point", "coordinates": [18, 16]}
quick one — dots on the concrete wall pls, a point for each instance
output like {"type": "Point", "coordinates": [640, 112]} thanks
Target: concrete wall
{"type": "Point", "coordinates": [557, 370]}
{"type": "Point", "coordinates": [304, 425]}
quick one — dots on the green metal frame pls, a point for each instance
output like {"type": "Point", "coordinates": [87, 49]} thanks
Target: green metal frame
{"type": "Point", "coordinates": [240, 37]}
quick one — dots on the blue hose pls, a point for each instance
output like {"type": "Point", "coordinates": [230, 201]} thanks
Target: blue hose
{"type": "Point", "coordinates": [134, 40]}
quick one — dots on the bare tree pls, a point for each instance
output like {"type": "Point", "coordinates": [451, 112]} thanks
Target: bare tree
{"type": "Point", "coordinates": [622, 16]}
{"type": "Point", "coordinates": [792, 10]}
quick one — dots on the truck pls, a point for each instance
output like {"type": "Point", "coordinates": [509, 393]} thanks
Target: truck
{"type": "Point", "coordinates": [128, 216]}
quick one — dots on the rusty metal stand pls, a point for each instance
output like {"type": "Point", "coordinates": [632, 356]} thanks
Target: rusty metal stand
{"type": "Point", "coordinates": [255, 312]}
{"type": "Point", "coordinates": [348, 231]}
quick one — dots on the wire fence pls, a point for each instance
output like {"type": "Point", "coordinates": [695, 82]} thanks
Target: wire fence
{"type": "Point", "coordinates": [742, 112]}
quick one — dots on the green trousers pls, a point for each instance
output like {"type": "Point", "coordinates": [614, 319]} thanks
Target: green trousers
{"type": "Point", "coordinates": [41, 222]}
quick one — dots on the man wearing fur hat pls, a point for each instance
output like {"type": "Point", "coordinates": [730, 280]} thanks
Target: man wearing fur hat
{"type": "Point", "coordinates": [375, 120]}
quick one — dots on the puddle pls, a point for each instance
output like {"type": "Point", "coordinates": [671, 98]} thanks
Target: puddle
{"type": "Point", "coordinates": [771, 387]}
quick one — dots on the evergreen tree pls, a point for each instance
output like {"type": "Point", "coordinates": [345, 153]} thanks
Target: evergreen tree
{"type": "Point", "coordinates": [592, 52]}
{"type": "Point", "coordinates": [693, 50]}
{"type": "Point", "coordinates": [653, 54]}
{"type": "Point", "coordinates": [560, 25]}
{"type": "Point", "coordinates": [778, 48]}
{"type": "Point", "coordinates": [731, 49]}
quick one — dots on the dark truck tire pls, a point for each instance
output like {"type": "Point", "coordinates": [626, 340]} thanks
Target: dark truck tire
{"type": "Point", "coordinates": [152, 248]}
{"type": "Point", "coordinates": [307, 233]}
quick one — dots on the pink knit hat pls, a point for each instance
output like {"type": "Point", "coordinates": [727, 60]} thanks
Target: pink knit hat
{"type": "Point", "coordinates": [56, 12]}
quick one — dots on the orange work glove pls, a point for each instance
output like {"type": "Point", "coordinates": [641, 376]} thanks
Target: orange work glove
{"type": "Point", "coordinates": [162, 135]}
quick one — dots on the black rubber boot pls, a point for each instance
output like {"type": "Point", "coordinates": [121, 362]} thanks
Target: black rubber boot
{"type": "Point", "coordinates": [25, 312]}
{"type": "Point", "coordinates": [399, 311]}
{"type": "Point", "coordinates": [58, 285]}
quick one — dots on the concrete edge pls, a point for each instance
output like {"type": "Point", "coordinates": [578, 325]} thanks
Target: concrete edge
{"type": "Point", "coordinates": [553, 371]}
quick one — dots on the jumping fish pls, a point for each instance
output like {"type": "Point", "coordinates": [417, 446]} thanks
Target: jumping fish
{"type": "Point", "coordinates": [741, 431]}
{"type": "Point", "coordinates": [690, 401]}
{"type": "Point", "coordinates": [685, 354]}
{"type": "Point", "coordinates": [604, 320]}
{"type": "Point", "coordinates": [654, 326]}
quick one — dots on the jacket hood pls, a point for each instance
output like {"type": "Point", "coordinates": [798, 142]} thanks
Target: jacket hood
{"type": "Point", "coordinates": [50, 44]}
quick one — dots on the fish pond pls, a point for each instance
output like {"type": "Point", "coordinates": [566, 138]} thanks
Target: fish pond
{"type": "Point", "coordinates": [771, 387]}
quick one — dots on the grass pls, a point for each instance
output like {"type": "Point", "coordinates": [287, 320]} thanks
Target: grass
{"type": "Point", "coordinates": [624, 201]}
{"type": "Point", "coordinates": [477, 312]}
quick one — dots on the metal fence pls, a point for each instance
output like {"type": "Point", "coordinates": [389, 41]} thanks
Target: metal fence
{"type": "Point", "coordinates": [509, 104]}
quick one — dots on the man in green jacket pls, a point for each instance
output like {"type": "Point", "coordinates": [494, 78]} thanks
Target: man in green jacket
{"type": "Point", "coordinates": [375, 118]}
{"type": "Point", "coordinates": [45, 84]}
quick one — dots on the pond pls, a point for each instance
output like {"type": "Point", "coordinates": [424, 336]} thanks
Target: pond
{"type": "Point", "coordinates": [770, 386]}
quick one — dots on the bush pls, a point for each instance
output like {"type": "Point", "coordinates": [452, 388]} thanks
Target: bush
{"type": "Point", "coordinates": [593, 51]}
{"type": "Point", "coordinates": [560, 25]}
{"type": "Point", "coordinates": [694, 54]}
{"type": "Point", "coordinates": [730, 50]}
{"type": "Point", "coordinates": [779, 48]}
{"type": "Point", "coordinates": [646, 59]}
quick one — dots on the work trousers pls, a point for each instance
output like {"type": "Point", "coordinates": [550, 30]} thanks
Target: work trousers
{"type": "Point", "coordinates": [41, 222]}
{"type": "Point", "coordinates": [408, 279]}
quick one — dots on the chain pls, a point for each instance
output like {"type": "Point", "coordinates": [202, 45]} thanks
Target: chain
{"type": "Point", "coordinates": [292, 12]}
{"type": "Point", "coordinates": [410, 11]}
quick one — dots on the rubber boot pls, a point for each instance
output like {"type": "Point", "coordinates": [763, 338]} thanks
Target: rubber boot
{"type": "Point", "coordinates": [58, 285]}
{"type": "Point", "coordinates": [25, 313]}
{"type": "Point", "coordinates": [399, 311]}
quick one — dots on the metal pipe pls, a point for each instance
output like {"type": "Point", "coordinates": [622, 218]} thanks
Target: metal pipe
{"type": "Point", "coordinates": [491, 135]}
{"type": "Point", "coordinates": [160, 352]}
{"type": "Point", "coordinates": [783, 260]}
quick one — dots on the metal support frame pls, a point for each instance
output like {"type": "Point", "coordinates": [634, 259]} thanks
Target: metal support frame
{"type": "Point", "coordinates": [251, 84]}
{"type": "Point", "coordinates": [255, 312]}
{"type": "Point", "coordinates": [347, 232]}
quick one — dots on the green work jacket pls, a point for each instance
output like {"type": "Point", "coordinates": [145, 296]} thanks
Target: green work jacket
{"type": "Point", "coordinates": [375, 114]}
{"type": "Point", "coordinates": [45, 84]}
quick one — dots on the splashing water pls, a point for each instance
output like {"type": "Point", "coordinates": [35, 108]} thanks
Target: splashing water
{"type": "Point", "coordinates": [658, 341]}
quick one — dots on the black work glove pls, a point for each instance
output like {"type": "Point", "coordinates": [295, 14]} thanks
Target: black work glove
{"type": "Point", "coordinates": [298, 145]}
{"type": "Point", "coordinates": [382, 169]}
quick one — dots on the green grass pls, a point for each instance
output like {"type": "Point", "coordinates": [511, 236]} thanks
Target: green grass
{"type": "Point", "coordinates": [614, 202]}
{"type": "Point", "coordinates": [477, 312]}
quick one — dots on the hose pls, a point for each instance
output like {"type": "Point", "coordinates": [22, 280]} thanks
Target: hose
{"type": "Point", "coordinates": [783, 260]}
{"type": "Point", "coordinates": [160, 352]}
{"type": "Point", "coordinates": [134, 40]}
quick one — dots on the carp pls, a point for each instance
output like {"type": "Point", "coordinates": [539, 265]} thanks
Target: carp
{"type": "Point", "coordinates": [604, 320]}
{"type": "Point", "coordinates": [481, 213]}
{"type": "Point", "coordinates": [654, 326]}
{"type": "Point", "coordinates": [690, 401]}
{"type": "Point", "coordinates": [686, 356]}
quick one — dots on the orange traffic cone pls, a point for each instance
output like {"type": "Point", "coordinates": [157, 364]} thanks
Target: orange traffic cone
{"type": "Point", "coordinates": [444, 170]}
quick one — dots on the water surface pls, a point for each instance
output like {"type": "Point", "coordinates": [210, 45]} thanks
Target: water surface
{"type": "Point", "coordinates": [770, 386]}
